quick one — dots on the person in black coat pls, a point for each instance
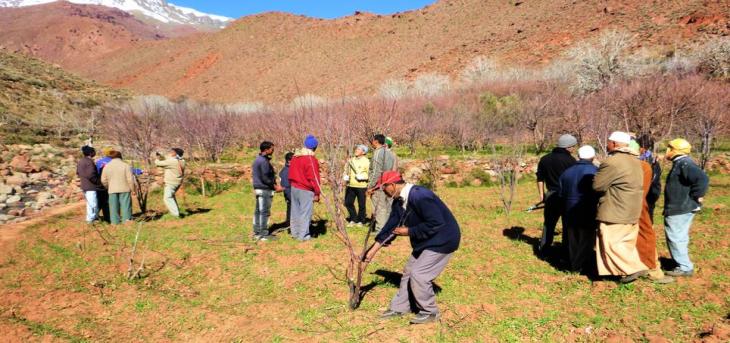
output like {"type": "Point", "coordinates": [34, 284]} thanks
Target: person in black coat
{"type": "Point", "coordinates": [434, 235]}
{"type": "Point", "coordinates": [90, 182]}
{"type": "Point", "coordinates": [646, 145]}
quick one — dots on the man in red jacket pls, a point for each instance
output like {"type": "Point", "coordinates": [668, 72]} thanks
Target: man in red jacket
{"type": "Point", "coordinates": [305, 188]}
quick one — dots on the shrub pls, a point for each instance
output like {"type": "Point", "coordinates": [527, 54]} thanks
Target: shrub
{"type": "Point", "coordinates": [393, 89]}
{"type": "Point", "coordinates": [479, 71]}
{"type": "Point", "coordinates": [308, 101]}
{"type": "Point", "coordinates": [714, 58]}
{"type": "Point", "coordinates": [596, 64]}
{"type": "Point", "coordinates": [431, 85]}
{"type": "Point", "coordinates": [481, 175]}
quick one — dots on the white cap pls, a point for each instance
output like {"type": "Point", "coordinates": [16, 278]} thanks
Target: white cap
{"type": "Point", "coordinates": [586, 152]}
{"type": "Point", "coordinates": [620, 137]}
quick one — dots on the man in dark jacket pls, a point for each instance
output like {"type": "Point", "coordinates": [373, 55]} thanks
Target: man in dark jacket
{"type": "Point", "coordinates": [90, 182]}
{"type": "Point", "coordinates": [284, 176]}
{"type": "Point", "coordinates": [434, 234]}
{"type": "Point", "coordinates": [683, 194]}
{"type": "Point", "coordinates": [264, 185]}
{"type": "Point", "coordinates": [549, 169]}
{"type": "Point", "coordinates": [580, 203]}
{"type": "Point", "coordinates": [646, 145]}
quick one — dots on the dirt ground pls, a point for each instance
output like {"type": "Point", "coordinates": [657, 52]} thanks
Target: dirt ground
{"type": "Point", "coordinates": [205, 280]}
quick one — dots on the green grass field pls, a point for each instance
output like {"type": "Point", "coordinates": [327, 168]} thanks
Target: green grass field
{"type": "Point", "coordinates": [207, 281]}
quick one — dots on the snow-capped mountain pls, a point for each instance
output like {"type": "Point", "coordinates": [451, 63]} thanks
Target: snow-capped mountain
{"type": "Point", "coordinates": [159, 10]}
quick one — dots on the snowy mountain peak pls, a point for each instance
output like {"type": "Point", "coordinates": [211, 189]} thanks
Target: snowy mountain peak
{"type": "Point", "coordinates": [159, 10]}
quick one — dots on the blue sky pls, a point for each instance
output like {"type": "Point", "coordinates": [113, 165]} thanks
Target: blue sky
{"type": "Point", "coordinates": [312, 8]}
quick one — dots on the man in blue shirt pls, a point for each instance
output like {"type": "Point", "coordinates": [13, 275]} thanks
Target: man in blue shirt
{"type": "Point", "coordinates": [580, 202]}
{"type": "Point", "coordinates": [434, 234]}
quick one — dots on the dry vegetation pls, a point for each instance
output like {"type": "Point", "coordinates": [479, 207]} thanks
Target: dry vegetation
{"type": "Point", "coordinates": [39, 102]}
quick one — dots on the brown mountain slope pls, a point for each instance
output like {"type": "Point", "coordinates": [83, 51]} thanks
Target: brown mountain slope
{"type": "Point", "coordinates": [37, 99]}
{"type": "Point", "coordinates": [70, 34]}
{"type": "Point", "coordinates": [275, 56]}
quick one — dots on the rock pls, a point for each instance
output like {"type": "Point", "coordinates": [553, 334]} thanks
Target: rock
{"type": "Point", "coordinates": [18, 212]}
{"type": "Point", "coordinates": [3, 198]}
{"type": "Point", "coordinates": [476, 182]}
{"type": "Point", "coordinates": [4, 218]}
{"type": "Point", "coordinates": [447, 171]}
{"type": "Point", "coordinates": [13, 200]}
{"type": "Point", "coordinates": [44, 198]}
{"type": "Point", "coordinates": [21, 163]}
{"type": "Point", "coordinates": [6, 189]}
{"type": "Point", "coordinates": [3, 206]}
{"type": "Point", "coordinates": [17, 179]}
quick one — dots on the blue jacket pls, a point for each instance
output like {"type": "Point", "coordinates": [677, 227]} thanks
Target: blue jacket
{"type": "Point", "coordinates": [431, 226]}
{"type": "Point", "coordinates": [284, 175]}
{"type": "Point", "coordinates": [263, 173]}
{"type": "Point", "coordinates": [576, 191]}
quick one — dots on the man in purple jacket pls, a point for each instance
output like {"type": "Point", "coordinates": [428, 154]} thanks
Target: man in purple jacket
{"type": "Point", "coordinates": [434, 234]}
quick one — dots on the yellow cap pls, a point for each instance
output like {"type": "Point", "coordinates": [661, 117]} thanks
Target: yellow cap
{"type": "Point", "coordinates": [678, 147]}
{"type": "Point", "coordinates": [105, 151]}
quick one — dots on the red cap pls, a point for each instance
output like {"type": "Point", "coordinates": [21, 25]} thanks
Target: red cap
{"type": "Point", "coordinates": [388, 177]}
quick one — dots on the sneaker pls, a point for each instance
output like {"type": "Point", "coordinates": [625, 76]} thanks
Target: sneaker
{"type": "Point", "coordinates": [268, 238]}
{"type": "Point", "coordinates": [389, 314]}
{"type": "Point", "coordinates": [632, 277]}
{"type": "Point", "coordinates": [423, 318]}
{"type": "Point", "coordinates": [679, 273]}
{"type": "Point", "coordinates": [360, 224]}
{"type": "Point", "coordinates": [351, 224]}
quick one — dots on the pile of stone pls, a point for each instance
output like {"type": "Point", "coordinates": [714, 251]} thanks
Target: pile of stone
{"type": "Point", "coordinates": [473, 171]}
{"type": "Point", "coordinates": [34, 177]}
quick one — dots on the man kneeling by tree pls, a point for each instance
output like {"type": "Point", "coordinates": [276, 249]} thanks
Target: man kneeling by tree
{"type": "Point", "coordinates": [434, 233]}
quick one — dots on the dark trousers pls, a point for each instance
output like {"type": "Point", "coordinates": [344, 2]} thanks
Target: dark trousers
{"type": "Point", "coordinates": [102, 198]}
{"type": "Point", "coordinates": [287, 198]}
{"type": "Point", "coordinates": [553, 211]}
{"type": "Point", "coordinates": [351, 193]}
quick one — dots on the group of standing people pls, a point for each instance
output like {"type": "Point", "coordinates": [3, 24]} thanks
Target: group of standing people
{"type": "Point", "coordinates": [400, 209]}
{"type": "Point", "coordinates": [300, 182]}
{"type": "Point", "coordinates": [607, 209]}
{"type": "Point", "coordinates": [108, 183]}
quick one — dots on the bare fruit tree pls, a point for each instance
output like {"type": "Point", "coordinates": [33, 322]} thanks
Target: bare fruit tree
{"type": "Point", "coordinates": [506, 164]}
{"type": "Point", "coordinates": [137, 127]}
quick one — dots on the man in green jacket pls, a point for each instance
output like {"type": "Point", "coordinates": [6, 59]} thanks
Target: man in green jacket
{"type": "Point", "coordinates": [683, 194]}
{"type": "Point", "coordinates": [383, 160]}
{"type": "Point", "coordinates": [174, 166]}
{"type": "Point", "coordinates": [619, 183]}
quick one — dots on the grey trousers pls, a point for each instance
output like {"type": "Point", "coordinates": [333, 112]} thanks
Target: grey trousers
{"type": "Point", "coordinates": [381, 208]}
{"type": "Point", "coordinates": [417, 283]}
{"type": "Point", "coordinates": [170, 201]}
{"type": "Point", "coordinates": [262, 212]}
{"type": "Point", "coordinates": [301, 213]}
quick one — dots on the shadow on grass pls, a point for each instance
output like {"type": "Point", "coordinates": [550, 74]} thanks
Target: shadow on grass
{"type": "Point", "coordinates": [667, 263]}
{"type": "Point", "coordinates": [153, 215]}
{"type": "Point", "coordinates": [194, 211]}
{"type": "Point", "coordinates": [554, 256]}
{"type": "Point", "coordinates": [393, 279]}
{"type": "Point", "coordinates": [318, 228]}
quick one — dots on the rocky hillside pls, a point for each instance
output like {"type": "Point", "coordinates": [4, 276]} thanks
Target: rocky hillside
{"type": "Point", "coordinates": [40, 102]}
{"type": "Point", "coordinates": [70, 34]}
{"type": "Point", "coordinates": [276, 56]}
{"type": "Point", "coordinates": [33, 178]}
